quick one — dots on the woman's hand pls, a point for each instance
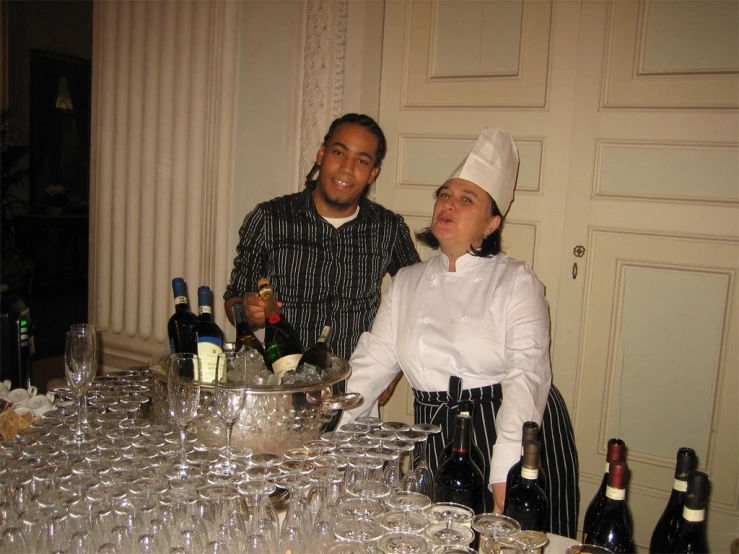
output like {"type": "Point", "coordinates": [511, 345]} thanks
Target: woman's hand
{"type": "Point", "coordinates": [385, 396]}
{"type": "Point", "coordinates": [498, 497]}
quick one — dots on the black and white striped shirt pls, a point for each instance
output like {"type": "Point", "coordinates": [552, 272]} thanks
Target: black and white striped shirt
{"type": "Point", "coordinates": [322, 275]}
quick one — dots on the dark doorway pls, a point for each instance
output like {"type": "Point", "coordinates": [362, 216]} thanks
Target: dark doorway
{"type": "Point", "coordinates": [49, 87]}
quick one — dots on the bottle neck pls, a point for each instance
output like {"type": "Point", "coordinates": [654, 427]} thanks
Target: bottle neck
{"type": "Point", "coordinates": [615, 494]}
{"type": "Point", "coordinates": [680, 485]}
{"type": "Point", "coordinates": [271, 309]}
{"type": "Point", "coordinates": [693, 516]}
{"type": "Point", "coordinates": [204, 312]}
{"type": "Point", "coordinates": [180, 303]}
{"type": "Point", "coordinates": [461, 442]}
{"type": "Point", "coordinates": [529, 474]}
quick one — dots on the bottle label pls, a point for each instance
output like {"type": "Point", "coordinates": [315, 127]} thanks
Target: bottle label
{"type": "Point", "coordinates": [693, 515]}
{"type": "Point", "coordinates": [529, 473]}
{"type": "Point", "coordinates": [208, 350]}
{"type": "Point", "coordinates": [615, 494]}
{"type": "Point", "coordinates": [608, 466]}
{"type": "Point", "coordinates": [180, 300]}
{"type": "Point", "coordinates": [285, 364]}
{"type": "Point", "coordinates": [205, 310]}
{"type": "Point", "coordinates": [679, 485]}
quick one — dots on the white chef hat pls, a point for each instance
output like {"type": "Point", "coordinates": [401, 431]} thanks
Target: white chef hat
{"type": "Point", "coordinates": [492, 165]}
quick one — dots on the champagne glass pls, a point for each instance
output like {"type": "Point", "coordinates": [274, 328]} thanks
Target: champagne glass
{"type": "Point", "coordinates": [88, 328]}
{"type": "Point", "coordinates": [229, 397]}
{"type": "Point", "coordinates": [183, 395]}
{"type": "Point", "coordinates": [80, 363]}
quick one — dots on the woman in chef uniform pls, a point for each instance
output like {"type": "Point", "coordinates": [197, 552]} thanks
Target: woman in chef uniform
{"type": "Point", "coordinates": [473, 324]}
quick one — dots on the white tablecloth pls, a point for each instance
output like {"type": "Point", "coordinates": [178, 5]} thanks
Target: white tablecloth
{"type": "Point", "coordinates": [558, 544]}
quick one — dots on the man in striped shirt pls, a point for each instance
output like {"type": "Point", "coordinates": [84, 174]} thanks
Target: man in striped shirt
{"type": "Point", "coordinates": [325, 249]}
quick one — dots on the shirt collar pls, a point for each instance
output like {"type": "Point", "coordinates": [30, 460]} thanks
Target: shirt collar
{"type": "Point", "coordinates": [464, 262]}
{"type": "Point", "coordinates": [304, 202]}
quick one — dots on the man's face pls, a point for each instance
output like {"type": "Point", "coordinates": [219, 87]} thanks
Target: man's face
{"type": "Point", "coordinates": [347, 167]}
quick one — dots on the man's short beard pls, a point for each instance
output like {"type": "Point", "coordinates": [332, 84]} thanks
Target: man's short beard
{"type": "Point", "coordinates": [338, 204]}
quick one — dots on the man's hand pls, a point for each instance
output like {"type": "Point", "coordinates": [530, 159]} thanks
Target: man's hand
{"type": "Point", "coordinates": [498, 497]}
{"type": "Point", "coordinates": [253, 308]}
{"type": "Point", "coordinates": [385, 396]}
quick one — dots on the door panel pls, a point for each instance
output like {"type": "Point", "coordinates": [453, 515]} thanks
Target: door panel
{"type": "Point", "coordinates": [627, 129]}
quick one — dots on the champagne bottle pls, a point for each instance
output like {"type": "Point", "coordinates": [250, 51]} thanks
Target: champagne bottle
{"type": "Point", "coordinates": [319, 354]}
{"type": "Point", "coordinates": [692, 537]}
{"type": "Point", "coordinates": [208, 336]}
{"type": "Point", "coordinates": [458, 479]}
{"type": "Point", "coordinates": [616, 451]}
{"type": "Point", "coordinates": [244, 335]}
{"type": "Point", "coordinates": [529, 432]}
{"type": "Point", "coordinates": [181, 323]}
{"type": "Point", "coordinates": [612, 528]}
{"type": "Point", "coordinates": [281, 342]}
{"type": "Point", "coordinates": [668, 526]}
{"type": "Point", "coordinates": [526, 502]}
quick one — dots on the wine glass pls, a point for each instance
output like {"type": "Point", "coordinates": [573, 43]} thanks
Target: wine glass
{"type": "Point", "coordinates": [88, 328]}
{"type": "Point", "coordinates": [229, 397]}
{"type": "Point", "coordinates": [493, 526]}
{"type": "Point", "coordinates": [183, 395]}
{"type": "Point", "coordinates": [423, 472]}
{"type": "Point", "coordinates": [80, 363]}
{"type": "Point", "coordinates": [411, 481]}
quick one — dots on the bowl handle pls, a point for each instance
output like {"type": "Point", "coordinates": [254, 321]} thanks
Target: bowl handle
{"type": "Point", "coordinates": [339, 402]}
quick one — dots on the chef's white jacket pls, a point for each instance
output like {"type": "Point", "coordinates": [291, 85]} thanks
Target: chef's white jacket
{"type": "Point", "coordinates": [487, 322]}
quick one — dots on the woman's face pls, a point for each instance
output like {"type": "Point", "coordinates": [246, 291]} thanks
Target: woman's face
{"type": "Point", "coordinates": [462, 217]}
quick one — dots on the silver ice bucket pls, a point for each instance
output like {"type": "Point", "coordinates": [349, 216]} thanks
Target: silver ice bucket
{"type": "Point", "coordinates": [275, 418]}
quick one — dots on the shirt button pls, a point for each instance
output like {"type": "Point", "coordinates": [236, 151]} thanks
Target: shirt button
{"type": "Point", "coordinates": [434, 280]}
{"type": "Point", "coordinates": [463, 319]}
{"type": "Point", "coordinates": [425, 319]}
{"type": "Point", "coordinates": [478, 279]}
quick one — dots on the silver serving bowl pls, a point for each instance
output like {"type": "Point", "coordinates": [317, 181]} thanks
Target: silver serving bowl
{"type": "Point", "coordinates": [275, 418]}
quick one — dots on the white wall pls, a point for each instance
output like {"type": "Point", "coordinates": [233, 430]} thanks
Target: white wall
{"type": "Point", "coordinates": [268, 87]}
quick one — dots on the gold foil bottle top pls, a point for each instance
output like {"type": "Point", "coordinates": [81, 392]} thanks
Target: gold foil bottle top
{"type": "Point", "coordinates": [267, 294]}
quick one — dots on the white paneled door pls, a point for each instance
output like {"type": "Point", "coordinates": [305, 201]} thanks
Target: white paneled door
{"type": "Point", "coordinates": [625, 113]}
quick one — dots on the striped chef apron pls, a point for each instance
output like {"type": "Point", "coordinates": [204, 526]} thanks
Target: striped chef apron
{"type": "Point", "coordinates": [558, 454]}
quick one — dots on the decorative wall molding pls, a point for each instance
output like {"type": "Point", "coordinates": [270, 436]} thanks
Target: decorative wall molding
{"type": "Point", "coordinates": [324, 67]}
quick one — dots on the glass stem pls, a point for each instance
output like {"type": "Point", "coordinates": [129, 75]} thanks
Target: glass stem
{"type": "Point", "coordinates": [84, 411]}
{"type": "Point", "coordinates": [229, 430]}
{"type": "Point", "coordinates": [78, 431]}
{"type": "Point", "coordinates": [423, 459]}
{"type": "Point", "coordinates": [182, 447]}
{"type": "Point", "coordinates": [412, 461]}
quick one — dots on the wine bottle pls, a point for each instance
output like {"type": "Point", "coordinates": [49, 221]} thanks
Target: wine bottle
{"type": "Point", "coordinates": [458, 479]}
{"type": "Point", "coordinates": [208, 336]}
{"type": "Point", "coordinates": [529, 432]}
{"type": "Point", "coordinates": [467, 407]}
{"type": "Point", "coordinates": [612, 528]}
{"type": "Point", "coordinates": [281, 343]}
{"type": "Point", "coordinates": [668, 526]}
{"type": "Point", "coordinates": [319, 354]}
{"type": "Point", "coordinates": [244, 335]}
{"type": "Point", "coordinates": [692, 537]}
{"type": "Point", "coordinates": [616, 451]}
{"type": "Point", "coordinates": [526, 501]}
{"type": "Point", "coordinates": [181, 323]}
